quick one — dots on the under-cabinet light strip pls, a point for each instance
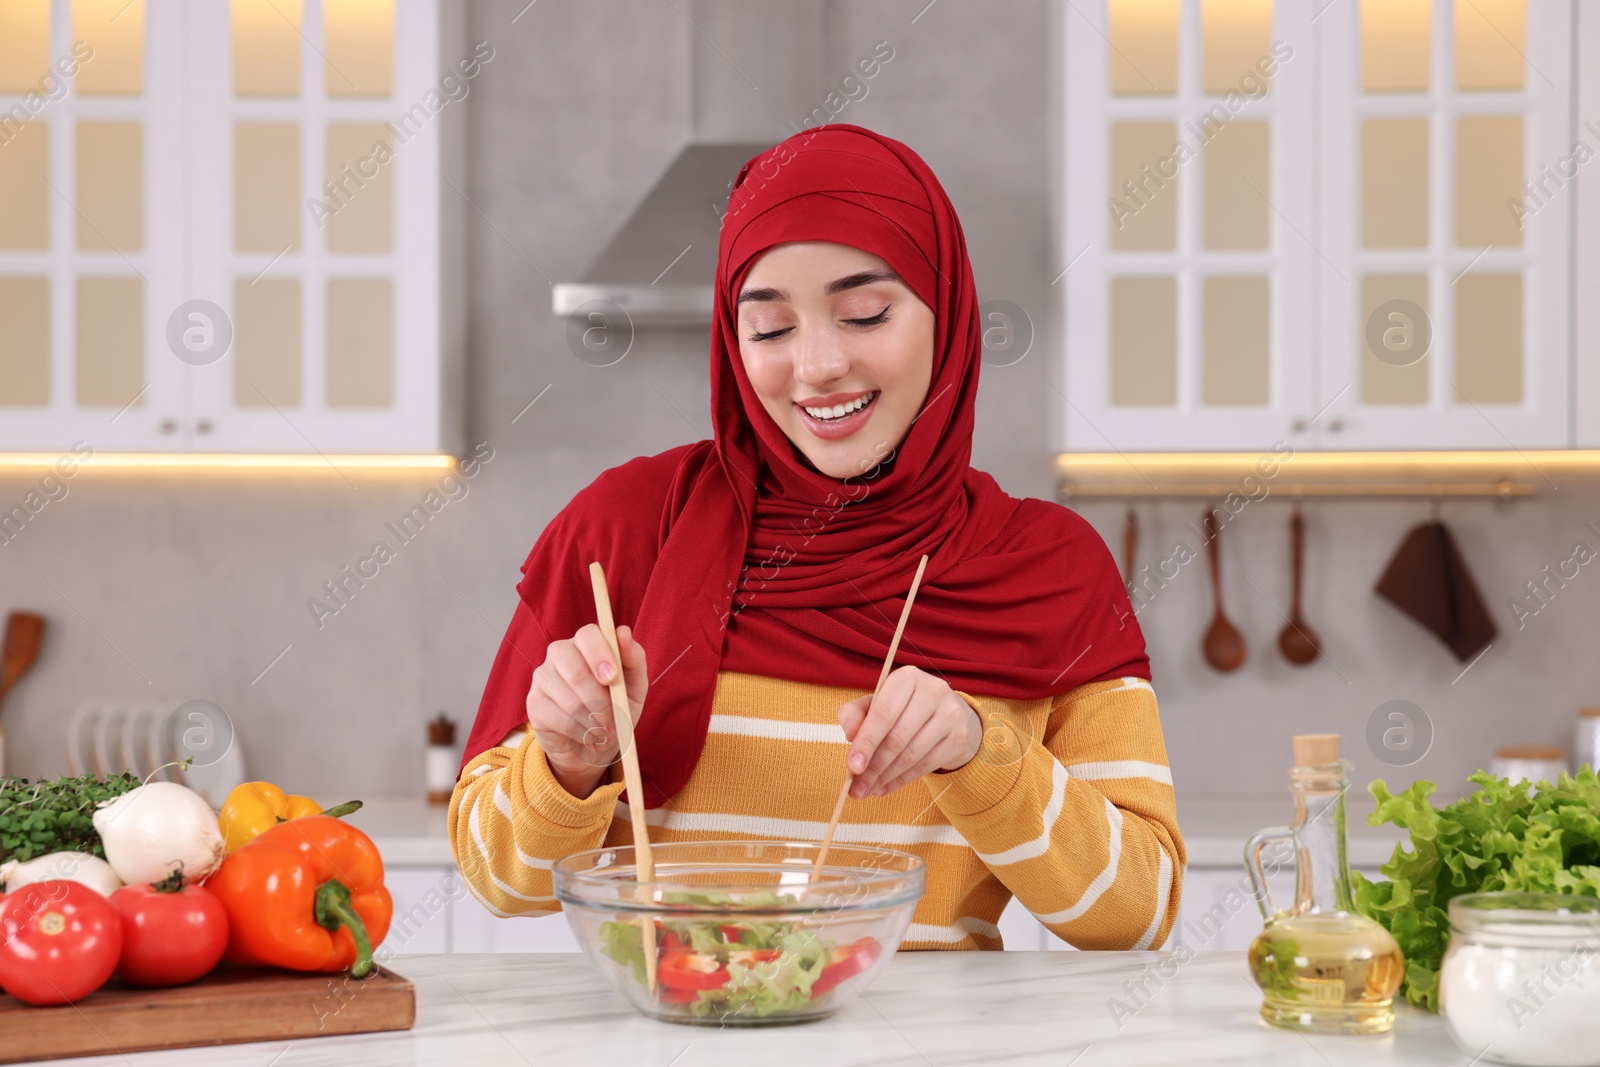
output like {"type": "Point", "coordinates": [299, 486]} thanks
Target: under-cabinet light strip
{"type": "Point", "coordinates": [229, 461]}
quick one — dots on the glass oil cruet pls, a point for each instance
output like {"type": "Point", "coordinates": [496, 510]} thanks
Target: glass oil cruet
{"type": "Point", "coordinates": [1322, 966]}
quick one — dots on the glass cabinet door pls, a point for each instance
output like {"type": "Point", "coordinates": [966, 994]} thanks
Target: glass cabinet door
{"type": "Point", "coordinates": [220, 225]}
{"type": "Point", "coordinates": [1368, 249]}
{"type": "Point", "coordinates": [317, 224]}
{"type": "Point", "coordinates": [90, 229]}
{"type": "Point", "coordinates": [1187, 210]}
{"type": "Point", "coordinates": [1446, 281]}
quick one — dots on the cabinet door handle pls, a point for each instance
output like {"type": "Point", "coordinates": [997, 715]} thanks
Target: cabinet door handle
{"type": "Point", "coordinates": [204, 426]}
{"type": "Point", "coordinates": [1335, 425]}
{"type": "Point", "coordinates": [1299, 425]}
{"type": "Point", "coordinates": [169, 425]}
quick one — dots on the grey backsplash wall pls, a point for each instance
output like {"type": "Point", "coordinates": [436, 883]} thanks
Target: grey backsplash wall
{"type": "Point", "coordinates": [189, 585]}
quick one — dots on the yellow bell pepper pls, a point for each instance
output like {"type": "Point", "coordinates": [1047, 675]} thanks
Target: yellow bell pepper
{"type": "Point", "coordinates": [257, 806]}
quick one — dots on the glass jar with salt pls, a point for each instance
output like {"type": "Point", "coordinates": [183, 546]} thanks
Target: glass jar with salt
{"type": "Point", "coordinates": [1520, 982]}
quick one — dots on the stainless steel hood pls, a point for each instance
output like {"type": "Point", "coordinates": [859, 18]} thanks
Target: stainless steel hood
{"type": "Point", "coordinates": [659, 265]}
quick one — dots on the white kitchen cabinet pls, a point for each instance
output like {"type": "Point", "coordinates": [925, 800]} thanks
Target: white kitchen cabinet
{"type": "Point", "coordinates": [1232, 240]}
{"type": "Point", "coordinates": [1020, 930]}
{"type": "Point", "coordinates": [249, 242]}
{"type": "Point", "coordinates": [435, 912]}
{"type": "Point", "coordinates": [1586, 241]}
{"type": "Point", "coordinates": [477, 930]}
{"type": "Point", "coordinates": [1218, 912]}
{"type": "Point", "coordinates": [423, 916]}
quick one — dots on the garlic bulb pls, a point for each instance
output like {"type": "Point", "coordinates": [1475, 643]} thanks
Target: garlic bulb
{"type": "Point", "coordinates": [83, 867]}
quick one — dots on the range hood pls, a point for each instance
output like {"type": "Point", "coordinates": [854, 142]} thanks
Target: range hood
{"type": "Point", "coordinates": [755, 67]}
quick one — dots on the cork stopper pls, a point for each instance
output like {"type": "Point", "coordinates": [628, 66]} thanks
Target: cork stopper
{"type": "Point", "coordinates": [1315, 750]}
{"type": "Point", "coordinates": [441, 731]}
{"type": "Point", "coordinates": [1590, 713]}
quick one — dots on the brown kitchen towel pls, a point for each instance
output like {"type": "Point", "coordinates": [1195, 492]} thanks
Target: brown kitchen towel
{"type": "Point", "coordinates": [1428, 580]}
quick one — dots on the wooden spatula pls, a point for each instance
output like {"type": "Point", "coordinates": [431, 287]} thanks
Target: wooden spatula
{"type": "Point", "coordinates": [888, 665]}
{"type": "Point", "coordinates": [644, 861]}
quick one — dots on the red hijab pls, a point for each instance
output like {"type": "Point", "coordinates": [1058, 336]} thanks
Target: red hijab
{"type": "Point", "coordinates": [733, 554]}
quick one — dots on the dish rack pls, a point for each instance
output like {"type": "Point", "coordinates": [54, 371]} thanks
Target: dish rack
{"type": "Point", "coordinates": [148, 738]}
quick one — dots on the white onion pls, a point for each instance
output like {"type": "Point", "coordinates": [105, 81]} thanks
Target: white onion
{"type": "Point", "coordinates": [83, 867]}
{"type": "Point", "coordinates": [158, 828]}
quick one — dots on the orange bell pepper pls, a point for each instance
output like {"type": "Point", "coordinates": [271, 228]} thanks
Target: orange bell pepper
{"type": "Point", "coordinates": [306, 895]}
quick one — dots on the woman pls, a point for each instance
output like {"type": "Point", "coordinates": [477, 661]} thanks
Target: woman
{"type": "Point", "coordinates": [1016, 747]}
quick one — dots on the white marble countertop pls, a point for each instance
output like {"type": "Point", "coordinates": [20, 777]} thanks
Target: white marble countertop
{"type": "Point", "coordinates": [410, 832]}
{"type": "Point", "coordinates": [927, 1010]}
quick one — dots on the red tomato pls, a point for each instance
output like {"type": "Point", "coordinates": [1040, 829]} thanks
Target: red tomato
{"type": "Point", "coordinates": [678, 996]}
{"type": "Point", "coordinates": [169, 936]}
{"type": "Point", "coordinates": [675, 973]}
{"type": "Point", "coordinates": [852, 960]}
{"type": "Point", "coordinates": [60, 942]}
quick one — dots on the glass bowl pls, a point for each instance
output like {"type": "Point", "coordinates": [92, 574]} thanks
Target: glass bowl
{"type": "Point", "coordinates": [743, 936]}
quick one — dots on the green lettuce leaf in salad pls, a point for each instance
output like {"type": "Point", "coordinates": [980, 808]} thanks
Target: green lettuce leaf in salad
{"type": "Point", "coordinates": [706, 937]}
{"type": "Point", "coordinates": [770, 987]}
{"type": "Point", "coordinates": [624, 942]}
{"type": "Point", "coordinates": [1504, 837]}
{"type": "Point", "coordinates": [758, 988]}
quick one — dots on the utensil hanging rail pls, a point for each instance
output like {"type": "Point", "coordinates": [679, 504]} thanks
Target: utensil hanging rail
{"type": "Point", "coordinates": [1285, 472]}
{"type": "Point", "coordinates": [1290, 491]}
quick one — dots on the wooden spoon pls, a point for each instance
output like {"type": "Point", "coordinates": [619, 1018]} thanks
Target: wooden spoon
{"type": "Point", "coordinates": [1297, 642]}
{"type": "Point", "coordinates": [645, 865]}
{"type": "Point", "coordinates": [1223, 646]}
{"type": "Point", "coordinates": [888, 664]}
{"type": "Point", "coordinates": [24, 635]}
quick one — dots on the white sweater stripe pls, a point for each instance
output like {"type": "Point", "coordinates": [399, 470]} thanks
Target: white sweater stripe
{"type": "Point", "coordinates": [1101, 882]}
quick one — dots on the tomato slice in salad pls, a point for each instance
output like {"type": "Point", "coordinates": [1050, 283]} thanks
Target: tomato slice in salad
{"type": "Point", "coordinates": [678, 996]}
{"type": "Point", "coordinates": [848, 961]}
{"type": "Point", "coordinates": [683, 970]}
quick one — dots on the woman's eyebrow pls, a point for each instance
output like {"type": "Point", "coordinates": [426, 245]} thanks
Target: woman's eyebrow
{"type": "Point", "coordinates": [865, 277]}
{"type": "Point", "coordinates": [838, 285]}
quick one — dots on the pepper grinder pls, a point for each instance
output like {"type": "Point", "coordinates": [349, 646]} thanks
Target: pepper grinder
{"type": "Point", "coordinates": [441, 760]}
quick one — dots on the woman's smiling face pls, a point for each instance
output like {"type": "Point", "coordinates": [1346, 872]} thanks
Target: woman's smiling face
{"type": "Point", "coordinates": [839, 350]}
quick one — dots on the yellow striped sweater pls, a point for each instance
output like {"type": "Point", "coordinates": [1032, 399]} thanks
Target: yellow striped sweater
{"type": "Point", "coordinates": [1068, 805]}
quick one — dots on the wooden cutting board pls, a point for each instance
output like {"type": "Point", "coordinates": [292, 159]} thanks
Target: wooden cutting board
{"type": "Point", "coordinates": [227, 1006]}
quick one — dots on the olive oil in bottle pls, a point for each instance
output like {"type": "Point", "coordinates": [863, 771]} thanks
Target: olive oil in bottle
{"type": "Point", "coordinates": [1322, 966]}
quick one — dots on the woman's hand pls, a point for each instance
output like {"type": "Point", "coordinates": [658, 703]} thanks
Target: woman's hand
{"type": "Point", "coordinates": [569, 704]}
{"type": "Point", "coordinates": [916, 725]}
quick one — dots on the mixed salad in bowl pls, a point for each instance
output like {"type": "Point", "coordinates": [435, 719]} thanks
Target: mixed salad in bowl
{"type": "Point", "coordinates": [746, 933]}
{"type": "Point", "coordinates": [759, 969]}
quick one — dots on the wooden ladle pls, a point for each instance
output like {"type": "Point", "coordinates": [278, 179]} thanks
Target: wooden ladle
{"type": "Point", "coordinates": [1223, 647]}
{"type": "Point", "coordinates": [1297, 642]}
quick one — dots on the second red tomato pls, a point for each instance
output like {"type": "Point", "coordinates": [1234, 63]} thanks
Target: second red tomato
{"type": "Point", "coordinates": [169, 935]}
